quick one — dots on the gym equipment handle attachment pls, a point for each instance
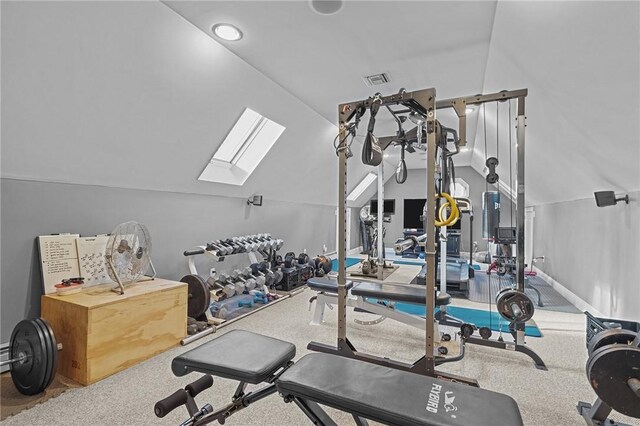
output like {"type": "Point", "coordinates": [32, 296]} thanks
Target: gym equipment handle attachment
{"type": "Point", "coordinates": [204, 382]}
{"type": "Point", "coordinates": [193, 252]}
{"type": "Point", "coordinates": [170, 403]}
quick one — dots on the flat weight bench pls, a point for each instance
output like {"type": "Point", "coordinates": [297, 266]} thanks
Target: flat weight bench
{"type": "Point", "coordinates": [364, 390]}
{"type": "Point", "coordinates": [360, 294]}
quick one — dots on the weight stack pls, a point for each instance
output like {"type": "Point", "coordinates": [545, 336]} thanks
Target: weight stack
{"type": "Point", "coordinates": [490, 214]}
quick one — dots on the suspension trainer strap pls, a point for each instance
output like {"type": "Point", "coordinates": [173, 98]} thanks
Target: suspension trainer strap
{"type": "Point", "coordinates": [371, 151]}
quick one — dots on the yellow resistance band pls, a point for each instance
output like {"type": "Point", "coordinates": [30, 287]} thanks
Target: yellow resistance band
{"type": "Point", "coordinates": [455, 213]}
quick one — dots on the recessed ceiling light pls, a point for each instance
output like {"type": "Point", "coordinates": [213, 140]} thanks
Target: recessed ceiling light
{"type": "Point", "coordinates": [469, 109]}
{"type": "Point", "coordinates": [464, 149]}
{"type": "Point", "coordinates": [227, 32]}
{"type": "Point", "coordinates": [326, 7]}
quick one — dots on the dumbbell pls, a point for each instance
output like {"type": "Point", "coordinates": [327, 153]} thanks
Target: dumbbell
{"type": "Point", "coordinates": [228, 287]}
{"type": "Point", "coordinates": [279, 275]}
{"type": "Point", "coordinates": [221, 286]}
{"type": "Point", "coordinates": [290, 260]}
{"type": "Point", "coordinates": [259, 297]}
{"type": "Point", "coordinates": [261, 278]}
{"type": "Point", "coordinates": [248, 243]}
{"type": "Point", "coordinates": [222, 248]}
{"type": "Point", "coordinates": [247, 303]}
{"type": "Point", "coordinates": [275, 275]}
{"type": "Point", "coordinates": [217, 248]}
{"type": "Point", "coordinates": [262, 243]}
{"type": "Point", "coordinates": [237, 248]}
{"type": "Point", "coordinates": [304, 259]}
{"type": "Point", "coordinates": [263, 268]}
{"type": "Point", "coordinates": [323, 265]}
{"type": "Point", "coordinates": [242, 242]}
{"type": "Point", "coordinates": [257, 275]}
{"type": "Point", "coordinates": [238, 286]}
{"type": "Point", "coordinates": [249, 282]}
{"type": "Point", "coordinates": [200, 325]}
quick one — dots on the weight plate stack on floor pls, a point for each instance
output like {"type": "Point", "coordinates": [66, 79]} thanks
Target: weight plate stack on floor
{"type": "Point", "coordinates": [28, 341]}
{"type": "Point", "coordinates": [52, 357]}
{"type": "Point", "coordinates": [610, 337]}
{"type": "Point", "coordinates": [610, 370]}
{"type": "Point", "coordinates": [199, 295]}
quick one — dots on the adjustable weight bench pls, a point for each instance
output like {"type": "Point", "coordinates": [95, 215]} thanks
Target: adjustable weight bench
{"type": "Point", "coordinates": [369, 297]}
{"type": "Point", "coordinates": [360, 294]}
{"type": "Point", "coordinates": [364, 390]}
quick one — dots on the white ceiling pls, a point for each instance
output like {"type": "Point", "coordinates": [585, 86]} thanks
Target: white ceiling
{"type": "Point", "coordinates": [581, 64]}
{"type": "Point", "coordinates": [579, 61]}
{"type": "Point", "coordinates": [321, 59]}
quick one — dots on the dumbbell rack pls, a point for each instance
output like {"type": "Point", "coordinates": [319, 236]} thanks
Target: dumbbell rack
{"type": "Point", "coordinates": [256, 247]}
{"type": "Point", "coordinates": [217, 253]}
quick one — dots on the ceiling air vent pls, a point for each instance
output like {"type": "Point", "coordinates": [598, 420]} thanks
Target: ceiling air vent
{"type": "Point", "coordinates": [376, 79]}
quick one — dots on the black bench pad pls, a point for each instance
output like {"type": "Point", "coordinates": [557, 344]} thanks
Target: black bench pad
{"type": "Point", "coordinates": [237, 355]}
{"type": "Point", "coordinates": [397, 293]}
{"type": "Point", "coordinates": [328, 285]}
{"type": "Point", "coordinates": [392, 396]}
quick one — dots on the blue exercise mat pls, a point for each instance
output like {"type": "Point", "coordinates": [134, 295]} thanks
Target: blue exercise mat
{"type": "Point", "coordinates": [477, 317]}
{"type": "Point", "coordinates": [350, 262]}
{"type": "Point", "coordinates": [353, 260]}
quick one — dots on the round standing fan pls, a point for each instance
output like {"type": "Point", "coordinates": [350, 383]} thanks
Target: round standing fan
{"type": "Point", "coordinates": [128, 254]}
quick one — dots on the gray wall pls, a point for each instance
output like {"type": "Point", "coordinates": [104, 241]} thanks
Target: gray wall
{"type": "Point", "coordinates": [593, 252]}
{"type": "Point", "coordinates": [176, 222]}
{"type": "Point", "coordinates": [102, 96]}
{"type": "Point", "coordinates": [414, 188]}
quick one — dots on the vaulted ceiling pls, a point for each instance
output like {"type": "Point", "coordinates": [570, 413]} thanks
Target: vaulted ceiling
{"type": "Point", "coordinates": [579, 60]}
{"type": "Point", "coordinates": [144, 93]}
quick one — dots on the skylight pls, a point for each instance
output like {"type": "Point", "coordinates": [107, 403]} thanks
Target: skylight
{"type": "Point", "coordinates": [361, 187]}
{"type": "Point", "coordinates": [243, 149]}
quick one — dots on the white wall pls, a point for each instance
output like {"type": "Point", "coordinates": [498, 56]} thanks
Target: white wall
{"type": "Point", "coordinates": [130, 95]}
{"type": "Point", "coordinates": [593, 252]}
{"type": "Point", "coordinates": [580, 61]}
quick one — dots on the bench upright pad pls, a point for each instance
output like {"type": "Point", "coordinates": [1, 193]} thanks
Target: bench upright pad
{"type": "Point", "coordinates": [238, 355]}
{"type": "Point", "coordinates": [326, 284]}
{"type": "Point", "coordinates": [415, 294]}
{"type": "Point", "coordinates": [392, 396]}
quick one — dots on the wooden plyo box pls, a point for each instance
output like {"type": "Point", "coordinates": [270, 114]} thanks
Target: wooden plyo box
{"type": "Point", "coordinates": [103, 332]}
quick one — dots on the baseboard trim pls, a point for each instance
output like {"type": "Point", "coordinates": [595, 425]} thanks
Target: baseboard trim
{"type": "Point", "coordinates": [351, 252]}
{"type": "Point", "coordinates": [355, 251]}
{"type": "Point", "coordinates": [569, 295]}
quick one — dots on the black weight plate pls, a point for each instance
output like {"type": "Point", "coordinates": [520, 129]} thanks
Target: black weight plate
{"type": "Point", "coordinates": [466, 330]}
{"type": "Point", "coordinates": [609, 369]}
{"type": "Point", "coordinates": [47, 361]}
{"type": "Point", "coordinates": [491, 162]}
{"type": "Point", "coordinates": [505, 299]}
{"type": "Point", "coordinates": [48, 353]}
{"type": "Point", "coordinates": [610, 337]}
{"type": "Point", "coordinates": [28, 376]}
{"type": "Point", "coordinates": [54, 346]}
{"type": "Point", "coordinates": [485, 332]}
{"type": "Point", "coordinates": [199, 296]}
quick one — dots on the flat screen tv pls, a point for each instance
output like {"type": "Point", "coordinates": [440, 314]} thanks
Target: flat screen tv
{"type": "Point", "coordinates": [389, 207]}
{"type": "Point", "coordinates": [412, 212]}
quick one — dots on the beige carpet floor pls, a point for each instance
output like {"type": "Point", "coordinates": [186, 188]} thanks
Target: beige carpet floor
{"type": "Point", "coordinates": [545, 397]}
